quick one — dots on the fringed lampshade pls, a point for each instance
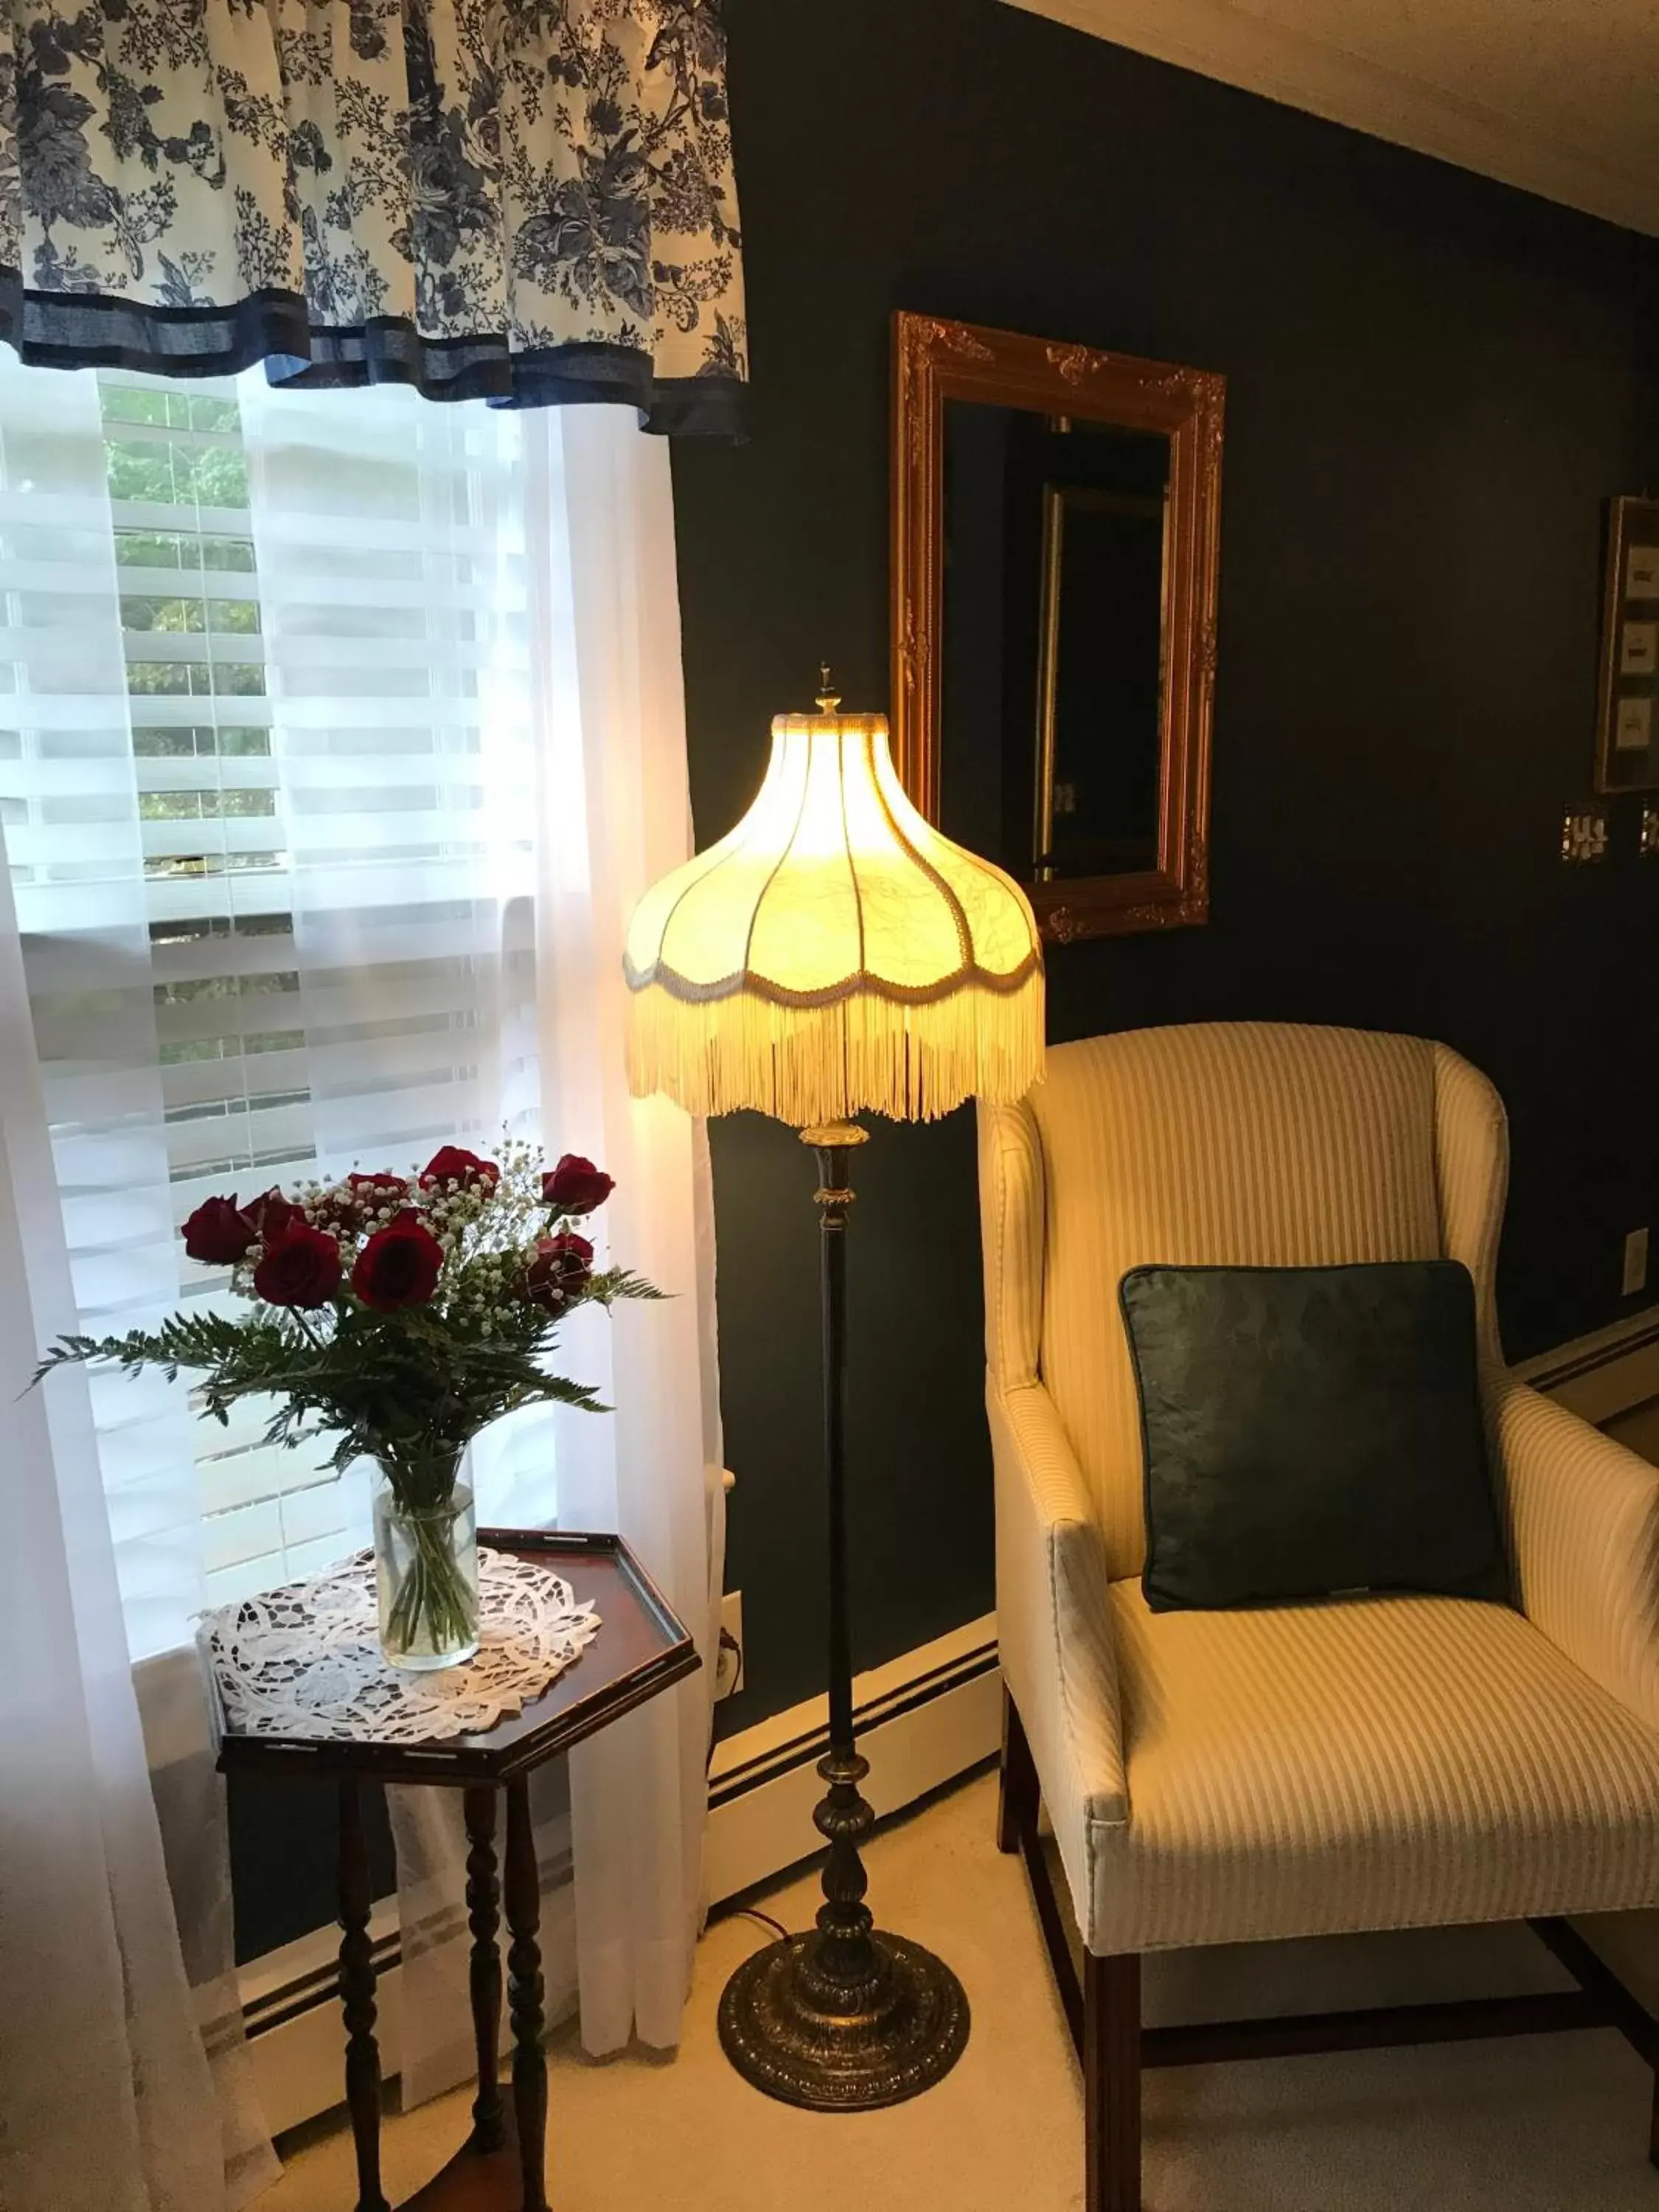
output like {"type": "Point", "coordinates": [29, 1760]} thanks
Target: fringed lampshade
{"type": "Point", "coordinates": [834, 953]}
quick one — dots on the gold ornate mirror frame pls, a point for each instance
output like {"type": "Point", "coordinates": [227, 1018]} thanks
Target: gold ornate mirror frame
{"type": "Point", "coordinates": [934, 362]}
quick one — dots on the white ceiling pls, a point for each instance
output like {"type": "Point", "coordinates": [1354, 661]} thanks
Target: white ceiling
{"type": "Point", "coordinates": [1560, 97]}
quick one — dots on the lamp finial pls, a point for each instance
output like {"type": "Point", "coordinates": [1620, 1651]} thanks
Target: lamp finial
{"type": "Point", "coordinates": [828, 698]}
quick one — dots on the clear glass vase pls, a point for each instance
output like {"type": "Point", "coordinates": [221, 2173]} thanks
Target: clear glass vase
{"type": "Point", "coordinates": [425, 1569]}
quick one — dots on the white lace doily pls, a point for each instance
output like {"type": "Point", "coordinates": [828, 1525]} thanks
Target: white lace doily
{"type": "Point", "coordinates": [304, 1660]}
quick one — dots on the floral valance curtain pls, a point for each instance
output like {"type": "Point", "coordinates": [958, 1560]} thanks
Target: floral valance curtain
{"type": "Point", "coordinates": [528, 201]}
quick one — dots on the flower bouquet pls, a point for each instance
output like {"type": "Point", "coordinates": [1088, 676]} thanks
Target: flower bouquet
{"type": "Point", "coordinates": [403, 1314]}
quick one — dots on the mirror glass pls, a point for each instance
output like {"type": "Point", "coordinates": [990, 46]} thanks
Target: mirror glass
{"type": "Point", "coordinates": [1053, 659]}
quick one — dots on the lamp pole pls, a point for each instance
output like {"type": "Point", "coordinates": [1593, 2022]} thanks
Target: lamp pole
{"type": "Point", "coordinates": [845, 2017]}
{"type": "Point", "coordinates": [846, 1956]}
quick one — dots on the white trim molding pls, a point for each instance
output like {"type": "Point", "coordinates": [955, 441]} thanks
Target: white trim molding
{"type": "Point", "coordinates": [1601, 1376]}
{"type": "Point", "coordinates": [922, 1720]}
{"type": "Point", "coordinates": [1240, 46]}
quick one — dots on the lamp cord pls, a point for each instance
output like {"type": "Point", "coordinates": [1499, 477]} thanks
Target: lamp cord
{"type": "Point", "coordinates": [749, 1912]}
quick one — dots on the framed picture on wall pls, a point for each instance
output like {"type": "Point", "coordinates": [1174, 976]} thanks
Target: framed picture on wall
{"type": "Point", "coordinates": [1628, 722]}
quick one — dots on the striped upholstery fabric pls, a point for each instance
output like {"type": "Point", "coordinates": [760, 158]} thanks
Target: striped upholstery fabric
{"type": "Point", "coordinates": [1229, 1777]}
{"type": "Point", "coordinates": [1381, 1763]}
{"type": "Point", "coordinates": [1584, 1522]}
{"type": "Point", "coordinates": [1472, 1161]}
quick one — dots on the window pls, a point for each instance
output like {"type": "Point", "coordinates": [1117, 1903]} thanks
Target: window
{"type": "Point", "coordinates": [265, 787]}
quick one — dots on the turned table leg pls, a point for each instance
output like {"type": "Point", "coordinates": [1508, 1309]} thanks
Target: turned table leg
{"type": "Point", "coordinates": [362, 2059]}
{"type": "Point", "coordinates": [524, 1962]}
{"type": "Point", "coordinates": [483, 1894]}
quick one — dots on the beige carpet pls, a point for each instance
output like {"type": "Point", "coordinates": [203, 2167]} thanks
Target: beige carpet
{"type": "Point", "coordinates": [1549, 2125]}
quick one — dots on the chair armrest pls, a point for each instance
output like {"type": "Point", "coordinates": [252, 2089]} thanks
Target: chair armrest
{"type": "Point", "coordinates": [1054, 1620]}
{"type": "Point", "coordinates": [1585, 1524]}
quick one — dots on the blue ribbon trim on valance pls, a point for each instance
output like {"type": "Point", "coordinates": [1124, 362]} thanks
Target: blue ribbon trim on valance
{"type": "Point", "coordinates": [84, 330]}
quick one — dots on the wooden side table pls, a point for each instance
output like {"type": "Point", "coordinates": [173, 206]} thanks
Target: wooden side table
{"type": "Point", "coordinates": [640, 1650]}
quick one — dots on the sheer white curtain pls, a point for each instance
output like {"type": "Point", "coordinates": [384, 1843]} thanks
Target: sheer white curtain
{"type": "Point", "coordinates": [107, 2087]}
{"type": "Point", "coordinates": [612, 713]}
{"type": "Point", "coordinates": [338, 733]}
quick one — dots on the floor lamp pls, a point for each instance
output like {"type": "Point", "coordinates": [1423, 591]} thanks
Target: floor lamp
{"type": "Point", "coordinates": [834, 954]}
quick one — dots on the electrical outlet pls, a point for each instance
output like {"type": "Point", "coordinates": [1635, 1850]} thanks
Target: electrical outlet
{"type": "Point", "coordinates": [1636, 1262]}
{"type": "Point", "coordinates": [729, 1667]}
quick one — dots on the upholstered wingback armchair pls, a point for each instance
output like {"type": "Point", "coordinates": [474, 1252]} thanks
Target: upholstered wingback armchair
{"type": "Point", "coordinates": [1242, 1777]}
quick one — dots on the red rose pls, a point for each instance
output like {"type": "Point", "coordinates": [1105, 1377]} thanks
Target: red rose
{"type": "Point", "coordinates": [216, 1234]}
{"type": "Point", "coordinates": [560, 1272]}
{"type": "Point", "coordinates": [270, 1215]}
{"type": "Point", "coordinates": [301, 1267]}
{"type": "Point", "coordinates": [399, 1266]}
{"type": "Point", "coordinates": [451, 1165]}
{"type": "Point", "coordinates": [576, 1186]}
{"type": "Point", "coordinates": [352, 1201]}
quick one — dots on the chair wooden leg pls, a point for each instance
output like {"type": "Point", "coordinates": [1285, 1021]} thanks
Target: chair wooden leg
{"type": "Point", "coordinates": [1016, 1792]}
{"type": "Point", "coordinates": [1111, 2083]}
{"type": "Point", "coordinates": [1111, 1998]}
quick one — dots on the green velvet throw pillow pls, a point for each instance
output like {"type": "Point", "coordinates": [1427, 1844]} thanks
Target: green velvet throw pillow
{"type": "Point", "coordinates": [1310, 1431]}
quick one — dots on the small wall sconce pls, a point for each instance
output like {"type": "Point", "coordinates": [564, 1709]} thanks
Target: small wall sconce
{"type": "Point", "coordinates": [1584, 835]}
{"type": "Point", "coordinates": [1649, 848]}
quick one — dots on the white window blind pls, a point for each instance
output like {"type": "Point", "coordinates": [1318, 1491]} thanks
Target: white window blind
{"type": "Point", "coordinates": [266, 789]}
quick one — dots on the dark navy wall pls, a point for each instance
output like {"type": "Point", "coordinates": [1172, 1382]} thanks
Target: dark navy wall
{"type": "Point", "coordinates": [1434, 382]}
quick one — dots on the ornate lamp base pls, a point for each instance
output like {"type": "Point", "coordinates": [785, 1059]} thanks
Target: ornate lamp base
{"type": "Point", "coordinates": [787, 2026]}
